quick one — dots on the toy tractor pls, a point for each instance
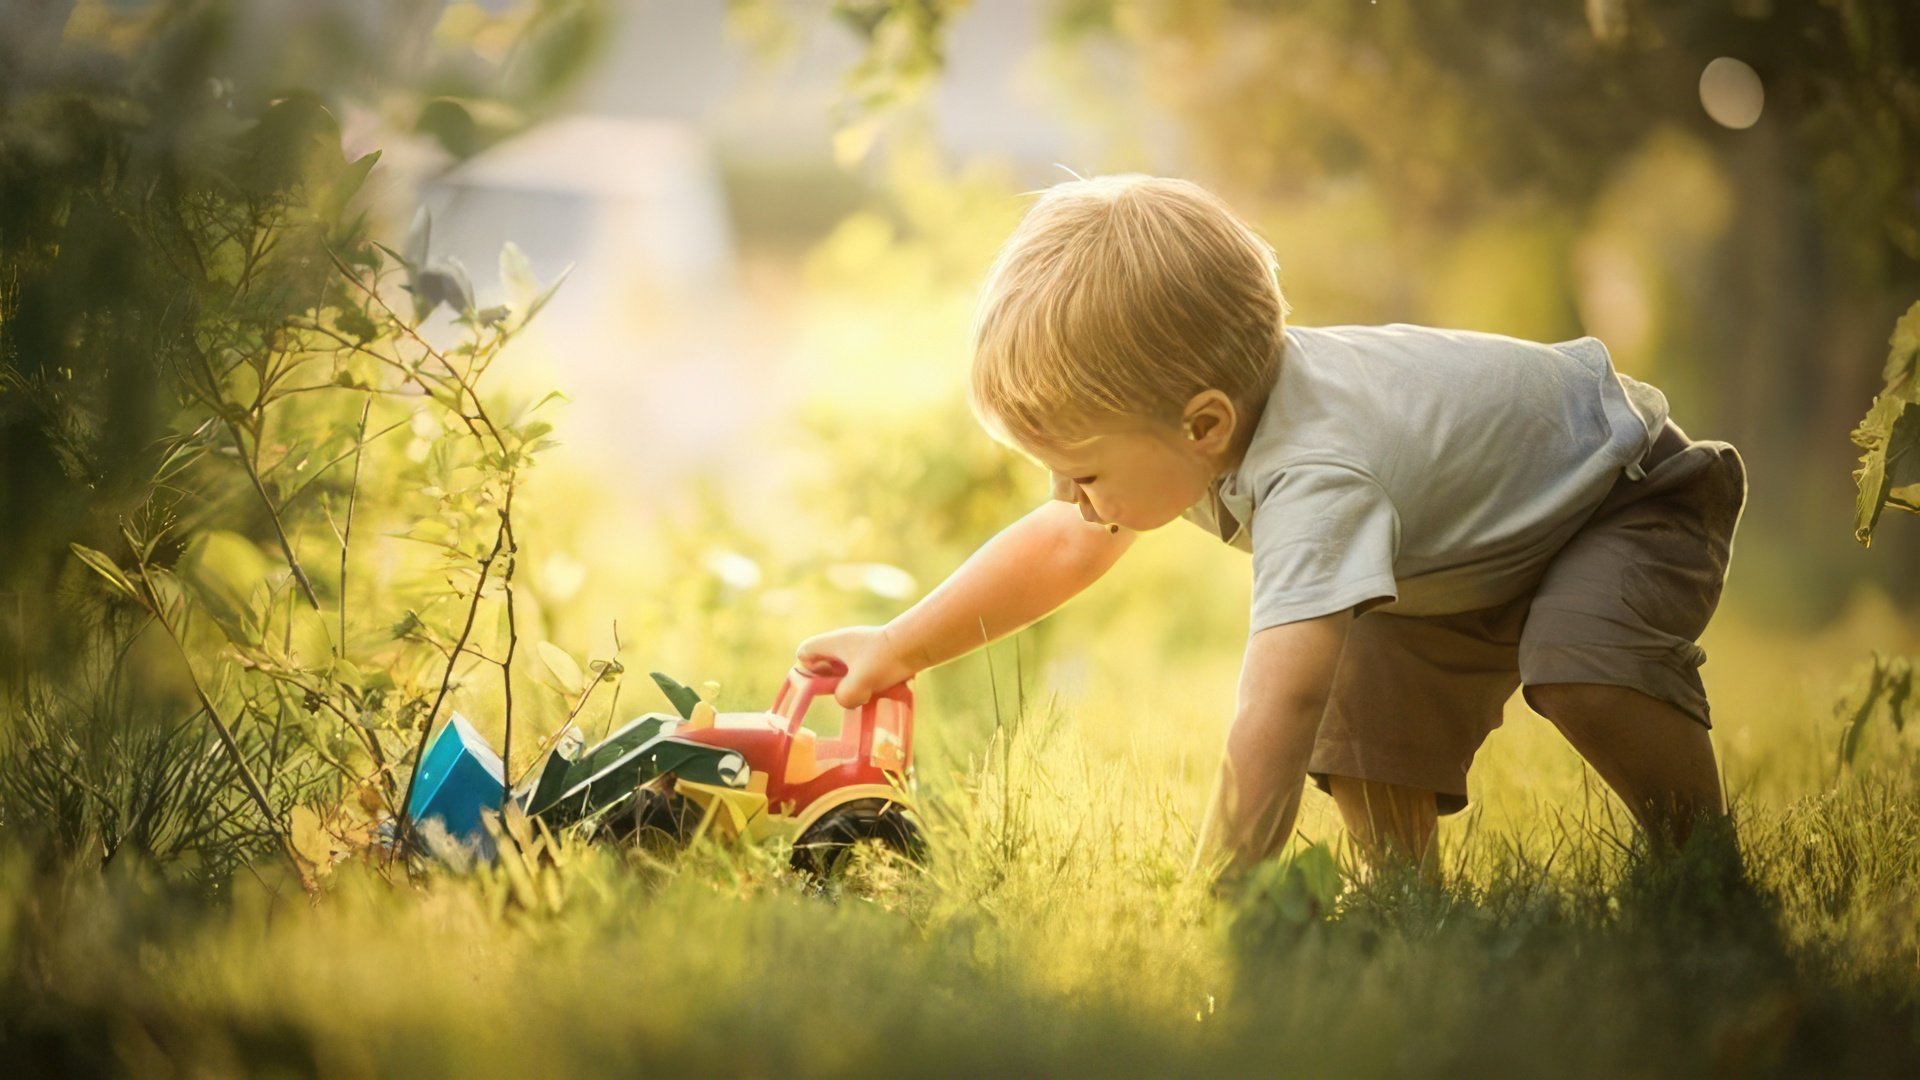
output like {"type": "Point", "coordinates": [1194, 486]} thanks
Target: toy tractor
{"type": "Point", "coordinates": [755, 775]}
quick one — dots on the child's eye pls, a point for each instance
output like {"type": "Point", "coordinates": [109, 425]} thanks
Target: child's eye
{"type": "Point", "coordinates": [1084, 480]}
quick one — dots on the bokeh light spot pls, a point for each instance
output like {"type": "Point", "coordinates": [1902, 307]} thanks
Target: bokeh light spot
{"type": "Point", "coordinates": [1731, 93]}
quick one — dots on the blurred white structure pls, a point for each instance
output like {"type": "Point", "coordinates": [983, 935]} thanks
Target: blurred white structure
{"type": "Point", "coordinates": [675, 59]}
{"type": "Point", "coordinates": [630, 204]}
{"type": "Point", "coordinates": [673, 368]}
{"type": "Point", "coordinates": [640, 329]}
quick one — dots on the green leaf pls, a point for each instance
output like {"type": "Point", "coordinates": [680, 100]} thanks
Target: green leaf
{"type": "Point", "coordinates": [335, 195]}
{"type": "Point", "coordinates": [354, 323]}
{"type": "Point", "coordinates": [309, 840]}
{"type": "Point", "coordinates": [1857, 726]}
{"type": "Point", "coordinates": [439, 466]}
{"type": "Point", "coordinates": [240, 386]}
{"type": "Point", "coordinates": [1889, 472]}
{"type": "Point", "coordinates": [1903, 353]}
{"type": "Point", "coordinates": [1320, 874]}
{"type": "Point", "coordinates": [419, 242]}
{"type": "Point", "coordinates": [442, 281]}
{"type": "Point", "coordinates": [296, 140]}
{"type": "Point", "coordinates": [565, 670]}
{"type": "Point", "coordinates": [186, 449]}
{"type": "Point", "coordinates": [451, 124]}
{"type": "Point", "coordinates": [106, 568]}
{"type": "Point", "coordinates": [1902, 454]}
{"type": "Point", "coordinates": [541, 300]}
{"type": "Point", "coordinates": [516, 277]}
{"type": "Point", "coordinates": [1290, 893]}
{"type": "Point", "coordinates": [1904, 498]}
{"type": "Point", "coordinates": [1890, 435]}
{"type": "Point", "coordinates": [429, 531]}
{"type": "Point", "coordinates": [682, 697]}
{"type": "Point", "coordinates": [224, 572]}
{"type": "Point", "coordinates": [1899, 689]}
{"type": "Point", "coordinates": [408, 622]}
{"type": "Point", "coordinates": [298, 636]}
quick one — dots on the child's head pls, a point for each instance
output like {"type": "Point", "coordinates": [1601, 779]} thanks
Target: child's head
{"type": "Point", "coordinates": [1131, 323]}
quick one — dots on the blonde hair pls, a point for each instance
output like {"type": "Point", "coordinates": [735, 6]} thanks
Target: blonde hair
{"type": "Point", "coordinates": [1116, 300]}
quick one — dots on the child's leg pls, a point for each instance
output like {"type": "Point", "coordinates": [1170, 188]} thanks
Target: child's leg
{"type": "Point", "coordinates": [1655, 756]}
{"type": "Point", "coordinates": [1414, 698]}
{"type": "Point", "coordinates": [1610, 650]}
{"type": "Point", "coordinates": [1392, 823]}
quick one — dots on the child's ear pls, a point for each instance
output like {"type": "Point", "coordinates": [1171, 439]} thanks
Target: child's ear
{"type": "Point", "coordinates": [1209, 413]}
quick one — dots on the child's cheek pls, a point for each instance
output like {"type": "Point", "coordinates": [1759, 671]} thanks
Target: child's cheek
{"type": "Point", "coordinates": [1107, 510]}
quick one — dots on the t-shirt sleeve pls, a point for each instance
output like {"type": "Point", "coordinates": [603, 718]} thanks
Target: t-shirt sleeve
{"type": "Point", "coordinates": [1324, 540]}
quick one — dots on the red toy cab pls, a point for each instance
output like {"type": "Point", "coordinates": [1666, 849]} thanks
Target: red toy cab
{"type": "Point", "coordinates": [829, 783]}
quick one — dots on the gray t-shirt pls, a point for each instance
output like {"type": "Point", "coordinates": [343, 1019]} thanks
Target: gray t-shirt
{"type": "Point", "coordinates": [1422, 470]}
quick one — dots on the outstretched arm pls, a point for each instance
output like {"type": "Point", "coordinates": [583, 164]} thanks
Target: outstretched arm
{"type": "Point", "coordinates": [1026, 571]}
{"type": "Point", "coordinates": [1285, 681]}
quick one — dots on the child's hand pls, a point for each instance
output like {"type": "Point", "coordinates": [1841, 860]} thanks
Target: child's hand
{"type": "Point", "coordinates": [872, 663]}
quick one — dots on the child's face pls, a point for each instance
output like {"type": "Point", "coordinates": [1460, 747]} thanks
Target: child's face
{"type": "Point", "coordinates": [1138, 479]}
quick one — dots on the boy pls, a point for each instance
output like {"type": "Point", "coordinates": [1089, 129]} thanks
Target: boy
{"type": "Point", "coordinates": [1435, 517]}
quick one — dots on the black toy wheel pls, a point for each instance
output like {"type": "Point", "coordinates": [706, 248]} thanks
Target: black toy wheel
{"type": "Point", "coordinates": [825, 846]}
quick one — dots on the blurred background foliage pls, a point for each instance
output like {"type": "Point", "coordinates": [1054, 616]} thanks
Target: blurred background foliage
{"type": "Point", "coordinates": [777, 213]}
{"type": "Point", "coordinates": [1549, 169]}
{"type": "Point", "coordinates": [191, 320]}
{"type": "Point", "coordinates": [128, 144]}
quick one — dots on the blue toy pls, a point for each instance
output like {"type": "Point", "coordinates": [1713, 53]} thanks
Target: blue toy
{"type": "Point", "coordinates": [459, 778]}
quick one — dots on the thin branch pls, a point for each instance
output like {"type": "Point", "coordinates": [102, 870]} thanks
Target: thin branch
{"type": "Point", "coordinates": [273, 514]}
{"type": "Point", "coordinates": [408, 374]}
{"type": "Point", "coordinates": [404, 834]}
{"type": "Point", "coordinates": [366, 732]}
{"type": "Point", "coordinates": [213, 400]}
{"type": "Point", "coordinates": [292, 390]}
{"type": "Point", "coordinates": [344, 454]}
{"type": "Point", "coordinates": [460, 382]}
{"type": "Point", "coordinates": [346, 534]}
{"type": "Point", "coordinates": [580, 706]}
{"type": "Point", "coordinates": [513, 642]}
{"type": "Point", "coordinates": [598, 678]}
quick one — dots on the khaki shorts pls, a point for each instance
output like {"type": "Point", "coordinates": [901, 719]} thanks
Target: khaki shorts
{"type": "Point", "coordinates": [1621, 604]}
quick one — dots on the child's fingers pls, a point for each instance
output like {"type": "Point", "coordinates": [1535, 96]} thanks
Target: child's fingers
{"type": "Point", "coordinates": [826, 665]}
{"type": "Point", "coordinates": [852, 695]}
{"type": "Point", "coordinates": [816, 647]}
{"type": "Point", "coordinates": [822, 654]}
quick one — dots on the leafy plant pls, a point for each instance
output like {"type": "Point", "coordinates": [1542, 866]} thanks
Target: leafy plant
{"type": "Point", "coordinates": [196, 327]}
{"type": "Point", "coordinates": [100, 769]}
{"type": "Point", "coordinates": [1283, 897]}
{"type": "Point", "coordinates": [1889, 472]}
{"type": "Point", "coordinates": [274, 641]}
{"type": "Point", "coordinates": [153, 156]}
{"type": "Point", "coordinates": [1890, 682]}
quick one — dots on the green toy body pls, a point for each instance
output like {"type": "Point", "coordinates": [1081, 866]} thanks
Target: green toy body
{"type": "Point", "coordinates": [753, 775]}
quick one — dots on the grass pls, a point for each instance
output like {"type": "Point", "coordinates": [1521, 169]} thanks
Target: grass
{"type": "Point", "coordinates": [1054, 932]}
